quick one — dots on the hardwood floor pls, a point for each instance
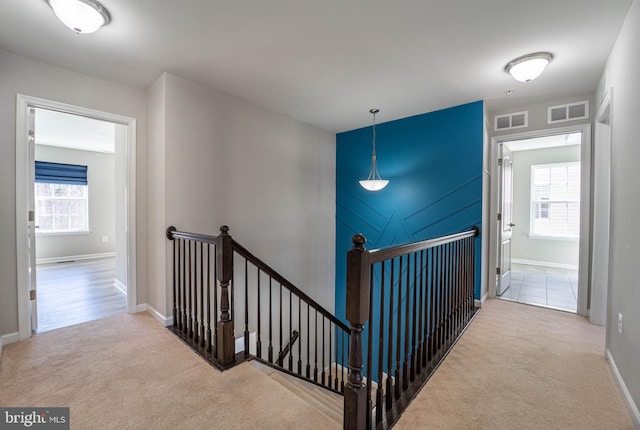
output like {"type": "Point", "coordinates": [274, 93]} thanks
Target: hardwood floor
{"type": "Point", "coordinates": [75, 292]}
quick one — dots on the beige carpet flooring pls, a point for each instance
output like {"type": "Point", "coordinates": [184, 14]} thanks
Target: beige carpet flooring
{"type": "Point", "coordinates": [516, 367]}
{"type": "Point", "coordinates": [522, 367]}
{"type": "Point", "coordinates": [128, 372]}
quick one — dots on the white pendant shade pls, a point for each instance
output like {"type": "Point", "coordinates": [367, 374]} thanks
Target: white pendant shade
{"type": "Point", "coordinates": [374, 184]}
{"type": "Point", "coordinates": [529, 67]}
{"type": "Point", "coordinates": [81, 16]}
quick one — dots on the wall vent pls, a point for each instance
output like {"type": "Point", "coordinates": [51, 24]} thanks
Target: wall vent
{"type": "Point", "coordinates": [512, 120]}
{"type": "Point", "coordinates": [568, 112]}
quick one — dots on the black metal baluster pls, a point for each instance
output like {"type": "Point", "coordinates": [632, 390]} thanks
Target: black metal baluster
{"type": "Point", "coordinates": [389, 397]}
{"type": "Point", "coordinates": [246, 307]}
{"type": "Point", "coordinates": [175, 285]}
{"type": "Point", "coordinates": [290, 332]}
{"type": "Point", "coordinates": [259, 322]}
{"type": "Point", "coordinates": [300, 340]}
{"type": "Point", "coordinates": [270, 349]}
{"type": "Point", "coordinates": [407, 328]}
{"type": "Point", "coordinates": [381, 382]}
{"type": "Point", "coordinates": [280, 328]}
{"type": "Point", "coordinates": [330, 376]}
{"type": "Point", "coordinates": [323, 339]}
{"type": "Point", "coordinates": [185, 329]}
{"type": "Point", "coordinates": [419, 333]}
{"type": "Point", "coordinates": [399, 332]}
{"type": "Point", "coordinates": [369, 373]}
{"type": "Point", "coordinates": [214, 321]}
{"type": "Point", "coordinates": [315, 366]}
{"type": "Point", "coordinates": [308, 369]}
{"type": "Point", "coordinates": [180, 284]}
{"type": "Point", "coordinates": [202, 336]}
{"type": "Point", "coordinates": [342, 367]}
{"type": "Point", "coordinates": [209, 348]}
{"type": "Point", "coordinates": [190, 287]}
{"type": "Point", "coordinates": [195, 295]}
{"type": "Point", "coordinates": [414, 336]}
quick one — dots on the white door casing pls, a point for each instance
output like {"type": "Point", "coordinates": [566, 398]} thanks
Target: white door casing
{"type": "Point", "coordinates": [585, 198]}
{"type": "Point", "coordinates": [505, 221]}
{"type": "Point", "coordinates": [24, 186]}
{"type": "Point", "coordinates": [601, 213]}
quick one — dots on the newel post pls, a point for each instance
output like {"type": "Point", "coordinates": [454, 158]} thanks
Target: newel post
{"type": "Point", "coordinates": [224, 262]}
{"type": "Point", "coordinates": [355, 393]}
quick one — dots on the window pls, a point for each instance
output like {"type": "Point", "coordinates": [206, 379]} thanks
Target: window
{"type": "Point", "coordinates": [555, 200]}
{"type": "Point", "coordinates": [61, 198]}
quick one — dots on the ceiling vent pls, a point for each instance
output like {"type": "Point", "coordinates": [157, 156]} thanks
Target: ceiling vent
{"type": "Point", "coordinates": [568, 112]}
{"type": "Point", "coordinates": [512, 120]}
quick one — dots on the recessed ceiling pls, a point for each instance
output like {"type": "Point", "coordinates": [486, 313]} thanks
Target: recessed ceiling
{"type": "Point", "coordinates": [328, 62]}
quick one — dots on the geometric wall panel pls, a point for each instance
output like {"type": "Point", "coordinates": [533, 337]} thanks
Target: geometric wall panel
{"type": "Point", "coordinates": [434, 164]}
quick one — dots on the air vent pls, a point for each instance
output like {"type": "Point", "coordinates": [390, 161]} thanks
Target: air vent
{"type": "Point", "coordinates": [512, 120]}
{"type": "Point", "coordinates": [568, 112]}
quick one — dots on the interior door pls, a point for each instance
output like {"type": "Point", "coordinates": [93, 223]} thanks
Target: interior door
{"type": "Point", "coordinates": [505, 221]}
{"type": "Point", "coordinates": [33, 304]}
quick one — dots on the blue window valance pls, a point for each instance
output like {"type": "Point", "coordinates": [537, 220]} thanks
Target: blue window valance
{"type": "Point", "coordinates": [59, 173]}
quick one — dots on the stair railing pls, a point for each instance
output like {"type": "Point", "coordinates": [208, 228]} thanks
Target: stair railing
{"type": "Point", "coordinates": [407, 305]}
{"type": "Point", "coordinates": [225, 296]}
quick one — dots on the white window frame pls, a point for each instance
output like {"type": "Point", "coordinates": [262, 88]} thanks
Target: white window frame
{"type": "Point", "coordinates": [533, 202]}
{"type": "Point", "coordinates": [86, 230]}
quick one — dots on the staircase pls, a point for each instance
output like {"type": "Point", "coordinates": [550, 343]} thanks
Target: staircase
{"type": "Point", "coordinates": [328, 403]}
{"type": "Point", "coordinates": [406, 307]}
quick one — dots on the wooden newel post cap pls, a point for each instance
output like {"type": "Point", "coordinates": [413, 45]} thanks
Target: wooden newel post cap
{"type": "Point", "coordinates": [224, 229]}
{"type": "Point", "coordinates": [358, 241]}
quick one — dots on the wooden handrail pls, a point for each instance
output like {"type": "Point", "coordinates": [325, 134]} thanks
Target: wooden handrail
{"type": "Point", "coordinates": [382, 254]}
{"type": "Point", "coordinates": [430, 288]}
{"type": "Point", "coordinates": [287, 348]}
{"type": "Point", "coordinates": [265, 268]}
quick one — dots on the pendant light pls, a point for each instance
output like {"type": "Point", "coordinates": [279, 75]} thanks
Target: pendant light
{"type": "Point", "coordinates": [374, 182]}
{"type": "Point", "coordinates": [81, 16]}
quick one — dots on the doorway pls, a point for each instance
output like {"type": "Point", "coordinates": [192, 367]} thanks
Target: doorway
{"type": "Point", "coordinates": [124, 235]}
{"type": "Point", "coordinates": [541, 191]}
{"type": "Point", "coordinates": [79, 227]}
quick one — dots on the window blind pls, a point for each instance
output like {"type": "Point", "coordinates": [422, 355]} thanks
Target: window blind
{"type": "Point", "coordinates": [59, 173]}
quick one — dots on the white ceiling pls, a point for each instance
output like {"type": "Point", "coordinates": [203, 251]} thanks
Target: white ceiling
{"type": "Point", "coordinates": [74, 132]}
{"type": "Point", "coordinates": [327, 62]}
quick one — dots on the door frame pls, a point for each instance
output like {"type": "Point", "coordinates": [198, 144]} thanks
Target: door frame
{"type": "Point", "coordinates": [584, 259]}
{"type": "Point", "coordinates": [23, 104]}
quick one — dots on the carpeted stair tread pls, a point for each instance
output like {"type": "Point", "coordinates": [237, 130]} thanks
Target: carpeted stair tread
{"type": "Point", "coordinates": [328, 403]}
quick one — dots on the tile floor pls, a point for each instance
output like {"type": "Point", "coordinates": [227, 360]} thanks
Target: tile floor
{"type": "Point", "coordinates": [543, 286]}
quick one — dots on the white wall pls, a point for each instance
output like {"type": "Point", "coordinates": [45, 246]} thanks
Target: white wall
{"type": "Point", "coordinates": [100, 172]}
{"type": "Point", "coordinates": [550, 251]}
{"type": "Point", "coordinates": [624, 280]}
{"type": "Point", "coordinates": [269, 177]}
{"type": "Point", "coordinates": [20, 75]}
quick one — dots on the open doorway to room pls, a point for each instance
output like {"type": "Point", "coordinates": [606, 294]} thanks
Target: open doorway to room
{"type": "Point", "coordinates": [94, 202]}
{"type": "Point", "coordinates": [79, 226]}
{"type": "Point", "coordinates": [542, 192]}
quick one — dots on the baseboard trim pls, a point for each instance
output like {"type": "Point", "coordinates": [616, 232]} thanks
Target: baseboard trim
{"type": "Point", "coordinates": [75, 258]}
{"type": "Point", "coordinates": [8, 338]}
{"type": "Point", "coordinates": [165, 321]}
{"type": "Point", "coordinates": [120, 286]}
{"type": "Point", "coordinates": [545, 264]}
{"type": "Point", "coordinates": [479, 303]}
{"type": "Point", "coordinates": [633, 409]}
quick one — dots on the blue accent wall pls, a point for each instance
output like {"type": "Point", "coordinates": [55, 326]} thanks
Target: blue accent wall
{"type": "Point", "coordinates": [434, 164]}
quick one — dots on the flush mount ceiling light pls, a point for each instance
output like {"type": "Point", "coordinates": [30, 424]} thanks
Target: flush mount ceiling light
{"type": "Point", "coordinates": [528, 67]}
{"type": "Point", "coordinates": [374, 182]}
{"type": "Point", "coordinates": [81, 16]}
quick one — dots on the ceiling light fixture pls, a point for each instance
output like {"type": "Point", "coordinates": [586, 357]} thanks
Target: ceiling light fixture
{"type": "Point", "coordinates": [528, 67]}
{"type": "Point", "coordinates": [374, 182]}
{"type": "Point", "coordinates": [81, 16]}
